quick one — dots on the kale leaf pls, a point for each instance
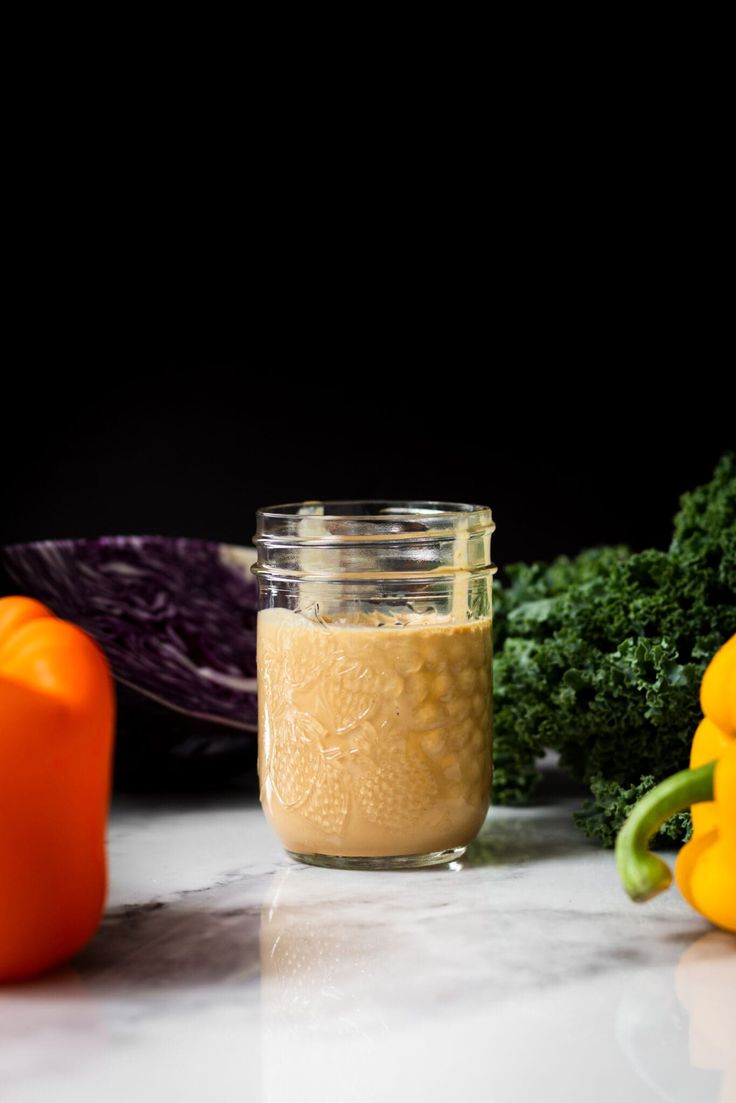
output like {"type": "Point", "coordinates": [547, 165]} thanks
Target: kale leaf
{"type": "Point", "coordinates": [600, 658]}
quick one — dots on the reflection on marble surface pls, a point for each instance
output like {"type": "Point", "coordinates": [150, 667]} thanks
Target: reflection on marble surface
{"type": "Point", "coordinates": [706, 986]}
{"type": "Point", "coordinates": [523, 973]}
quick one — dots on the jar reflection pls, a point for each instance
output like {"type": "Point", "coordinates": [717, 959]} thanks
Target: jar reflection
{"type": "Point", "coordinates": [320, 1036]}
{"type": "Point", "coordinates": [312, 967]}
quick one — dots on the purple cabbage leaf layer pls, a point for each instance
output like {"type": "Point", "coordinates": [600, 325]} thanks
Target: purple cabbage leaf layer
{"type": "Point", "coordinates": [176, 617]}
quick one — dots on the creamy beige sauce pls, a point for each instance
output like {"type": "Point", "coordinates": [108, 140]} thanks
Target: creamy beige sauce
{"type": "Point", "coordinates": [374, 738]}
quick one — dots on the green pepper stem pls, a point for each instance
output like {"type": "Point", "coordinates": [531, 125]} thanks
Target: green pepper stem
{"type": "Point", "coordinates": [642, 873]}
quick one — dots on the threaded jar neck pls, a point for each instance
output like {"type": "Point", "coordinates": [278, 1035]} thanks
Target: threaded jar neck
{"type": "Point", "coordinates": [363, 539]}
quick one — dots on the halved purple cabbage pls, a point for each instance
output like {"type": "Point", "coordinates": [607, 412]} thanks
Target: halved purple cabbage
{"type": "Point", "coordinates": [176, 618]}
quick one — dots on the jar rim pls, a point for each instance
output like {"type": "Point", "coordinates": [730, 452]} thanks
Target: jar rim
{"type": "Point", "coordinates": [389, 538]}
{"type": "Point", "coordinates": [378, 510]}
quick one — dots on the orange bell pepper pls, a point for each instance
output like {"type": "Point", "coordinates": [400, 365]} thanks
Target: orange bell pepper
{"type": "Point", "coordinates": [56, 737]}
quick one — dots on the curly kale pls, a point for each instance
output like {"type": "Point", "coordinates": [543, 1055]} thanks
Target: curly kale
{"type": "Point", "coordinates": [601, 817]}
{"type": "Point", "coordinates": [600, 658]}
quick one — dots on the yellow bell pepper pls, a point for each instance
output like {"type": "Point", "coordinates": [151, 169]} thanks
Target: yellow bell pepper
{"type": "Point", "coordinates": [706, 865]}
{"type": "Point", "coordinates": [717, 729]}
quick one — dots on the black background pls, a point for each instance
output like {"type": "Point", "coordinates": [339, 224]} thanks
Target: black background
{"type": "Point", "coordinates": [531, 314]}
{"type": "Point", "coordinates": [185, 445]}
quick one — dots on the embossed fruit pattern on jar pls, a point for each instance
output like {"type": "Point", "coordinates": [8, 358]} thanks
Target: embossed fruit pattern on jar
{"type": "Point", "coordinates": [375, 739]}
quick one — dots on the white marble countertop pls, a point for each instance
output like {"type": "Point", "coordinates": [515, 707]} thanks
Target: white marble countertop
{"type": "Point", "coordinates": [224, 971]}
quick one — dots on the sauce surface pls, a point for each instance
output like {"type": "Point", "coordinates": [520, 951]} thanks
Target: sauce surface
{"type": "Point", "coordinates": [374, 739]}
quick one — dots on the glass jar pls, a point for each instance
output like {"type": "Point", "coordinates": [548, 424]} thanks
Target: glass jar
{"type": "Point", "coordinates": [374, 679]}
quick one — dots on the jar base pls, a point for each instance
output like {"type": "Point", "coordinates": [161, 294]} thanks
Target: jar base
{"type": "Point", "coordinates": [390, 861]}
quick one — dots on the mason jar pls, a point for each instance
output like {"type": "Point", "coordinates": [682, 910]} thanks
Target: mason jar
{"type": "Point", "coordinates": [374, 679]}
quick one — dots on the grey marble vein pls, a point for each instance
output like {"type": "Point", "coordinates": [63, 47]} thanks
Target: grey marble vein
{"type": "Point", "coordinates": [224, 971]}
